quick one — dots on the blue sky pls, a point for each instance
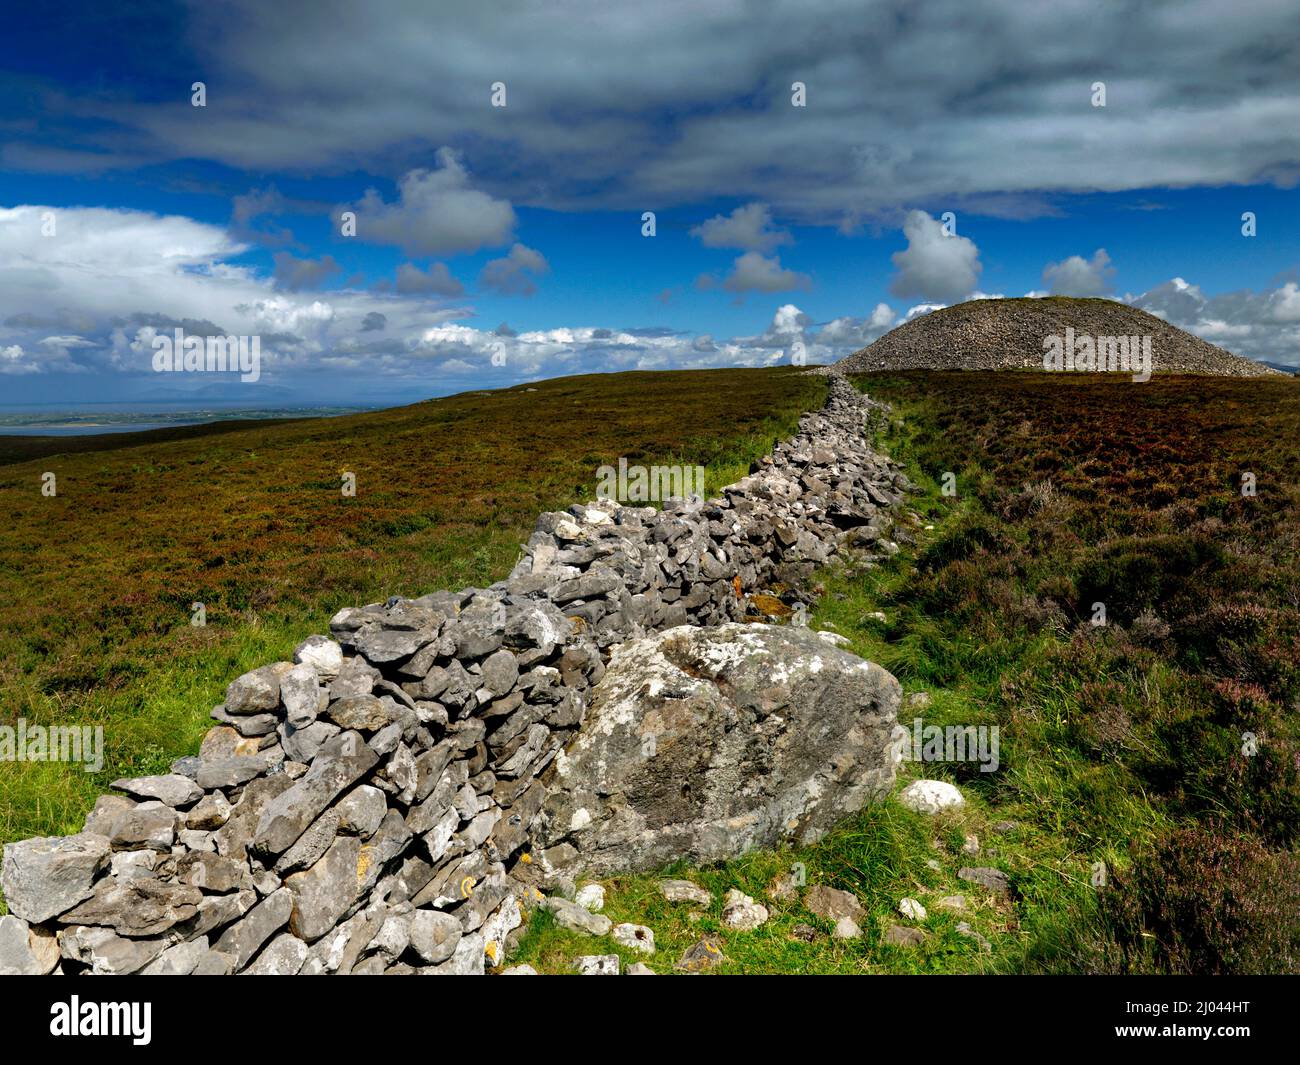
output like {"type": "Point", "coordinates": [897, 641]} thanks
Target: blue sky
{"type": "Point", "coordinates": [516, 230]}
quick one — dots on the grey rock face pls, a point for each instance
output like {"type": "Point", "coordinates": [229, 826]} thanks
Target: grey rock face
{"type": "Point", "coordinates": [150, 825]}
{"type": "Point", "coordinates": [140, 907]}
{"type": "Point", "coordinates": [283, 956]}
{"type": "Point", "coordinates": [302, 695]}
{"type": "Point", "coordinates": [992, 880]}
{"type": "Point", "coordinates": [340, 763]}
{"type": "Point", "coordinates": [47, 876]}
{"type": "Point", "coordinates": [434, 935]}
{"type": "Point", "coordinates": [832, 904]}
{"type": "Point", "coordinates": [172, 789]}
{"type": "Point", "coordinates": [243, 939]}
{"type": "Point", "coordinates": [579, 918]}
{"type": "Point", "coordinates": [255, 691]}
{"type": "Point", "coordinates": [24, 951]}
{"type": "Point", "coordinates": [705, 743]}
{"type": "Point", "coordinates": [322, 654]}
{"type": "Point", "coordinates": [323, 893]}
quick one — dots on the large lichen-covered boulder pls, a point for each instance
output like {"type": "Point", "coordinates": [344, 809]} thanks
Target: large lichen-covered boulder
{"type": "Point", "coordinates": [703, 743]}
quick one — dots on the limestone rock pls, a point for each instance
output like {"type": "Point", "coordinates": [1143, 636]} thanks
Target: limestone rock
{"type": "Point", "coordinates": [171, 789]}
{"type": "Point", "coordinates": [741, 913]}
{"type": "Point", "coordinates": [255, 691]}
{"type": "Point", "coordinates": [579, 918]}
{"type": "Point", "coordinates": [930, 796]}
{"type": "Point", "coordinates": [591, 896]}
{"type": "Point", "coordinates": [47, 876]}
{"type": "Point", "coordinates": [831, 904]}
{"type": "Point", "coordinates": [283, 956]}
{"type": "Point", "coordinates": [434, 935]}
{"type": "Point", "coordinates": [900, 936]}
{"type": "Point", "coordinates": [635, 937]}
{"type": "Point", "coordinates": [846, 928]}
{"type": "Point", "coordinates": [992, 880]}
{"type": "Point", "coordinates": [684, 891]}
{"type": "Point", "coordinates": [340, 763]}
{"type": "Point", "coordinates": [243, 939]}
{"type": "Point", "coordinates": [25, 951]}
{"type": "Point", "coordinates": [705, 743]}
{"type": "Point", "coordinates": [704, 953]}
{"type": "Point", "coordinates": [322, 654]}
{"type": "Point", "coordinates": [323, 893]}
{"type": "Point", "coordinates": [912, 910]}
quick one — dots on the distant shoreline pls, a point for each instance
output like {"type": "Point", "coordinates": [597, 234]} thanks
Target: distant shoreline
{"type": "Point", "coordinates": [84, 422]}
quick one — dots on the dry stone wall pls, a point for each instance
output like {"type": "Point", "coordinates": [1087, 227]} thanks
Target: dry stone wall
{"type": "Point", "coordinates": [367, 807]}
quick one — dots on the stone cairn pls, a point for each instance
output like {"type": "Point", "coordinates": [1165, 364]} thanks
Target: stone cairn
{"type": "Point", "coordinates": [367, 807]}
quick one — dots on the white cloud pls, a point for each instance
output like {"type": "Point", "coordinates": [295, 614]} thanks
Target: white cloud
{"type": "Point", "coordinates": [934, 265]}
{"type": "Point", "coordinates": [747, 228]}
{"type": "Point", "coordinates": [437, 213]}
{"type": "Point", "coordinates": [1286, 303]}
{"type": "Point", "coordinates": [1077, 276]}
{"type": "Point", "coordinates": [436, 281]}
{"type": "Point", "coordinates": [1245, 322]}
{"type": "Point", "coordinates": [514, 275]}
{"type": "Point", "coordinates": [12, 361]}
{"type": "Point", "coordinates": [754, 272]}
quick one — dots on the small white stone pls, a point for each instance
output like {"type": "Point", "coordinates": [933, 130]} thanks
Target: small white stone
{"type": "Point", "coordinates": [741, 912]}
{"type": "Point", "coordinates": [519, 970]}
{"type": "Point", "coordinates": [597, 964]}
{"type": "Point", "coordinates": [833, 638]}
{"type": "Point", "coordinates": [846, 928]}
{"type": "Point", "coordinates": [639, 968]}
{"type": "Point", "coordinates": [591, 896]}
{"type": "Point", "coordinates": [930, 796]}
{"type": "Point", "coordinates": [634, 937]}
{"type": "Point", "coordinates": [912, 909]}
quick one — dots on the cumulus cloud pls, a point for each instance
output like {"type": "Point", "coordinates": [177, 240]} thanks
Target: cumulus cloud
{"type": "Point", "coordinates": [436, 281]}
{"type": "Point", "coordinates": [747, 228]}
{"type": "Point", "coordinates": [71, 305]}
{"type": "Point", "coordinates": [294, 274]}
{"type": "Point", "coordinates": [253, 205]}
{"type": "Point", "coordinates": [1077, 276]}
{"type": "Point", "coordinates": [12, 361]}
{"type": "Point", "coordinates": [754, 272]}
{"type": "Point", "coordinates": [934, 266]}
{"type": "Point", "coordinates": [514, 274]}
{"type": "Point", "coordinates": [854, 333]}
{"type": "Point", "coordinates": [1244, 322]}
{"type": "Point", "coordinates": [436, 213]}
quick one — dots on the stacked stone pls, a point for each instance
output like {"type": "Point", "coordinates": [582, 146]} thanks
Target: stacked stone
{"type": "Point", "coordinates": [366, 808]}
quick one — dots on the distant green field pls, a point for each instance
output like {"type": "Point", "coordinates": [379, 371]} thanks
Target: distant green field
{"type": "Point", "coordinates": [97, 582]}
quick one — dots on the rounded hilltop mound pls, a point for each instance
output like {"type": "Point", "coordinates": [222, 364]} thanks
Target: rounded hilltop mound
{"type": "Point", "coordinates": [1010, 334]}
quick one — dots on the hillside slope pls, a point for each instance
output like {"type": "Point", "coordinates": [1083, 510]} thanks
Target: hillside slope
{"type": "Point", "coordinates": [1008, 335]}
